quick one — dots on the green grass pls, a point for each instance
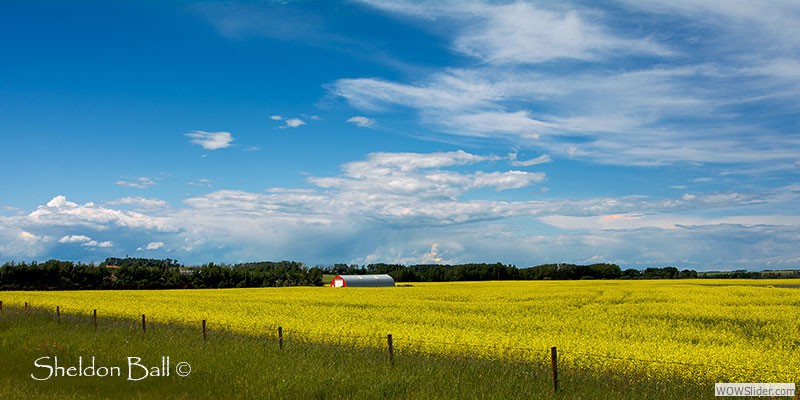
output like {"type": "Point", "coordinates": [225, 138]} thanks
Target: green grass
{"type": "Point", "coordinates": [235, 366]}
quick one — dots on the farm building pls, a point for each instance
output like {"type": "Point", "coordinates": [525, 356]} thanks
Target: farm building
{"type": "Point", "coordinates": [362, 280]}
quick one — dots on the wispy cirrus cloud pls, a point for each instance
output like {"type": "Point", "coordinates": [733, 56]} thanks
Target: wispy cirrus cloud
{"type": "Point", "coordinates": [202, 182]}
{"type": "Point", "coordinates": [523, 32]}
{"type": "Point", "coordinates": [140, 202]}
{"type": "Point", "coordinates": [542, 159]}
{"type": "Point", "coordinates": [575, 81]}
{"type": "Point", "coordinates": [141, 182]}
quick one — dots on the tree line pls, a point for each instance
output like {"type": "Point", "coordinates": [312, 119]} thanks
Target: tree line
{"type": "Point", "coordinates": [145, 273]}
{"type": "Point", "coordinates": [499, 271]}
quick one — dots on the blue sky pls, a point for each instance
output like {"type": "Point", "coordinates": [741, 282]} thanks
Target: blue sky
{"type": "Point", "coordinates": [634, 132]}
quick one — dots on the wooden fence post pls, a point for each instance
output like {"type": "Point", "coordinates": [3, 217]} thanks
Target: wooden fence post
{"type": "Point", "coordinates": [58, 314]}
{"type": "Point", "coordinates": [280, 337]}
{"type": "Point", "coordinates": [26, 307]}
{"type": "Point", "coordinates": [204, 330]}
{"type": "Point", "coordinates": [554, 365]}
{"type": "Point", "coordinates": [391, 348]}
{"type": "Point", "coordinates": [94, 319]}
{"type": "Point", "coordinates": [144, 324]}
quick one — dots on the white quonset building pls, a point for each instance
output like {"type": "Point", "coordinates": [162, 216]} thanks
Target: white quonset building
{"type": "Point", "coordinates": [362, 280]}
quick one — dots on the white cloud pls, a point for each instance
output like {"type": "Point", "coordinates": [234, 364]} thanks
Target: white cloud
{"type": "Point", "coordinates": [433, 255]}
{"type": "Point", "coordinates": [663, 221]}
{"type": "Point", "coordinates": [202, 182]}
{"type": "Point", "coordinates": [414, 161]}
{"type": "Point", "coordinates": [496, 123]}
{"type": "Point", "coordinates": [521, 33]}
{"type": "Point", "coordinates": [542, 159]}
{"type": "Point", "coordinates": [94, 243]}
{"type": "Point", "coordinates": [571, 151]}
{"type": "Point", "coordinates": [140, 202]}
{"type": "Point", "coordinates": [556, 75]}
{"type": "Point", "coordinates": [138, 183]}
{"type": "Point", "coordinates": [152, 246]}
{"type": "Point", "coordinates": [211, 140]}
{"type": "Point", "coordinates": [393, 207]}
{"type": "Point", "coordinates": [774, 27]}
{"type": "Point", "coordinates": [74, 239]}
{"type": "Point", "coordinates": [421, 174]}
{"type": "Point", "coordinates": [524, 33]}
{"type": "Point", "coordinates": [61, 212]}
{"type": "Point", "coordinates": [376, 94]}
{"type": "Point", "coordinates": [397, 188]}
{"type": "Point", "coordinates": [620, 118]}
{"type": "Point", "coordinates": [85, 241]}
{"type": "Point", "coordinates": [31, 238]}
{"type": "Point", "coordinates": [295, 122]}
{"type": "Point", "coordinates": [16, 242]}
{"type": "Point", "coordinates": [361, 121]}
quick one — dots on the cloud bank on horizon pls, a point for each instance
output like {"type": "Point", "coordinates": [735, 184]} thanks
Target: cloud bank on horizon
{"type": "Point", "coordinates": [632, 132]}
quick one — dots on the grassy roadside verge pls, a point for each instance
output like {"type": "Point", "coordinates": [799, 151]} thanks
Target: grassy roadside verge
{"type": "Point", "coordinates": [230, 365]}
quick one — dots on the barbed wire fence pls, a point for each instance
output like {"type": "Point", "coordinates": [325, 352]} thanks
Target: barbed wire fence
{"type": "Point", "coordinates": [406, 344]}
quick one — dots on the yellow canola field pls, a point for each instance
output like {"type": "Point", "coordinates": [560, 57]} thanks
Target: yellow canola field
{"type": "Point", "coordinates": [702, 330]}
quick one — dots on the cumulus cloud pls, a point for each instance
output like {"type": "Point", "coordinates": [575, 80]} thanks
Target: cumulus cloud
{"type": "Point", "coordinates": [94, 243]}
{"type": "Point", "coordinates": [433, 255]}
{"type": "Point", "coordinates": [74, 239]}
{"type": "Point", "coordinates": [85, 241]}
{"type": "Point", "coordinates": [413, 161]}
{"type": "Point", "coordinates": [152, 246]}
{"type": "Point", "coordinates": [61, 212]}
{"type": "Point", "coordinates": [421, 174]}
{"type": "Point", "coordinates": [361, 121]}
{"type": "Point", "coordinates": [426, 207]}
{"type": "Point", "coordinates": [294, 122]}
{"type": "Point", "coordinates": [30, 237]}
{"type": "Point", "coordinates": [17, 242]}
{"type": "Point", "coordinates": [211, 140]}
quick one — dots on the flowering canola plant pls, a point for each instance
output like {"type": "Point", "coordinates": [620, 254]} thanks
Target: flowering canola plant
{"type": "Point", "coordinates": [700, 330]}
